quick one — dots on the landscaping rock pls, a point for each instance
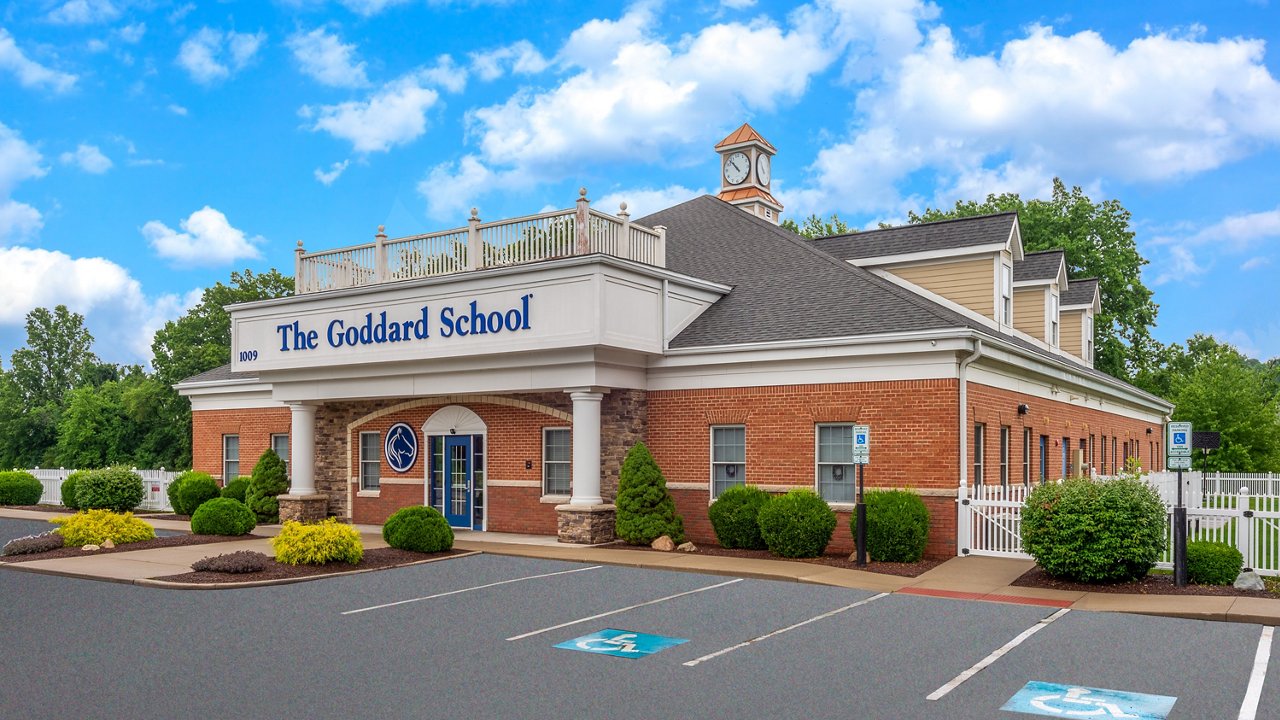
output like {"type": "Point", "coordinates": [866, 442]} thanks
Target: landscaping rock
{"type": "Point", "coordinates": [687, 547]}
{"type": "Point", "coordinates": [108, 544]}
{"type": "Point", "coordinates": [664, 543]}
{"type": "Point", "coordinates": [1249, 580]}
{"type": "Point", "coordinates": [90, 548]}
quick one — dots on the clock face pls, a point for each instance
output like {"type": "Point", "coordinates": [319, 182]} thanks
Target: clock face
{"type": "Point", "coordinates": [736, 168]}
{"type": "Point", "coordinates": [762, 169]}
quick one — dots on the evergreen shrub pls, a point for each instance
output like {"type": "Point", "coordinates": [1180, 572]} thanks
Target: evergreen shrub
{"type": "Point", "coordinates": [19, 488]}
{"type": "Point", "coordinates": [1094, 531]}
{"type": "Point", "coordinates": [197, 488]}
{"type": "Point", "coordinates": [317, 543]}
{"type": "Point", "coordinates": [1211, 563]}
{"type": "Point", "coordinates": [68, 490]}
{"type": "Point", "coordinates": [94, 527]}
{"type": "Point", "coordinates": [420, 529]}
{"type": "Point", "coordinates": [267, 481]}
{"type": "Point", "coordinates": [223, 516]}
{"type": "Point", "coordinates": [798, 524]}
{"type": "Point", "coordinates": [236, 489]}
{"type": "Point", "coordinates": [735, 517]}
{"type": "Point", "coordinates": [646, 511]}
{"type": "Point", "coordinates": [174, 493]}
{"type": "Point", "coordinates": [115, 488]}
{"type": "Point", "coordinates": [897, 525]}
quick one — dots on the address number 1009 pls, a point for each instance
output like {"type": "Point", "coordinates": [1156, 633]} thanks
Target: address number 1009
{"type": "Point", "coordinates": [248, 355]}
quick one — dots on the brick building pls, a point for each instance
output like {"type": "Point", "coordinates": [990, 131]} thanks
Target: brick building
{"type": "Point", "coordinates": [500, 372]}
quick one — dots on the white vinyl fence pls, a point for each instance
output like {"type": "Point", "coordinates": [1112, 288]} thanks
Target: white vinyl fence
{"type": "Point", "coordinates": [155, 486]}
{"type": "Point", "coordinates": [1222, 507]}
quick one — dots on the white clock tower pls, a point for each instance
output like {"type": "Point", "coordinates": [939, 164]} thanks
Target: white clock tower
{"type": "Point", "coordinates": [746, 161]}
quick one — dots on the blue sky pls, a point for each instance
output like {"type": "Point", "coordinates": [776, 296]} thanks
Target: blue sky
{"type": "Point", "coordinates": [148, 148]}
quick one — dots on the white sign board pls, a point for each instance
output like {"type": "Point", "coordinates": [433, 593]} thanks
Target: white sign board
{"type": "Point", "coordinates": [1178, 462]}
{"type": "Point", "coordinates": [1179, 439]}
{"type": "Point", "coordinates": [861, 444]}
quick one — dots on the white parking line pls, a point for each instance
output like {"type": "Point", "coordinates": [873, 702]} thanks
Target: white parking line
{"type": "Point", "coordinates": [478, 587]}
{"type": "Point", "coordinates": [766, 636]}
{"type": "Point", "coordinates": [622, 610]}
{"type": "Point", "coordinates": [1249, 708]}
{"type": "Point", "coordinates": [994, 656]}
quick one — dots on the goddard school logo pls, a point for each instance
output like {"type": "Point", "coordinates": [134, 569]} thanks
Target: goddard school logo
{"type": "Point", "coordinates": [401, 447]}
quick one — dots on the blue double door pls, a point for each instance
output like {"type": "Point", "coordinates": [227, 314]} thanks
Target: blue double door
{"type": "Point", "coordinates": [459, 475]}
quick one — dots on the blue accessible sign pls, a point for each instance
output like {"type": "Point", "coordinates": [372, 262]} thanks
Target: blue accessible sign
{"type": "Point", "coordinates": [621, 643]}
{"type": "Point", "coordinates": [1040, 698]}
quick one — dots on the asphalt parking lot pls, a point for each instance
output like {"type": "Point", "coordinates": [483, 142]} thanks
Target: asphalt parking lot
{"type": "Point", "coordinates": [476, 637]}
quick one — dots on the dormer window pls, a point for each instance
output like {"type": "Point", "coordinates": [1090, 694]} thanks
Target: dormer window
{"type": "Point", "coordinates": [1006, 294]}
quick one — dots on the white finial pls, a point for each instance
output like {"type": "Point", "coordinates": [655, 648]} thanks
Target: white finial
{"type": "Point", "coordinates": [582, 192]}
{"type": "Point", "coordinates": [382, 228]}
{"type": "Point", "coordinates": [475, 212]}
{"type": "Point", "coordinates": [299, 243]}
{"type": "Point", "coordinates": [622, 207]}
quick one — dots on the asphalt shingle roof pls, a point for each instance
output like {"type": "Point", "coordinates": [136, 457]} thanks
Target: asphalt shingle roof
{"type": "Point", "coordinates": [944, 235]}
{"type": "Point", "coordinates": [218, 374]}
{"type": "Point", "coordinates": [1043, 265]}
{"type": "Point", "coordinates": [1080, 292]}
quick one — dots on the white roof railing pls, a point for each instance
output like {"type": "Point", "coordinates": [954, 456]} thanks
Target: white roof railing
{"type": "Point", "coordinates": [577, 231]}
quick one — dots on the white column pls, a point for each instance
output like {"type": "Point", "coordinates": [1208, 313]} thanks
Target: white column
{"type": "Point", "coordinates": [302, 453]}
{"type": "Point", "coordinates": [586, 448]}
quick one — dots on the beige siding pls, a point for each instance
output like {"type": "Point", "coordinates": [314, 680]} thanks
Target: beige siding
{"type": "Point", "coordinates": [971, 283]}
{"type": "Point", "coordinates": [1071, 334]}
{"type": "Point", "coordinates": [1028, 311]}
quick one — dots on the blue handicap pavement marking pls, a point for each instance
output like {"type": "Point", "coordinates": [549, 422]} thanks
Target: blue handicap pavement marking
{"type": "Point", "coordinates": [1072, 701]}
{"type": "Point", "coordinates": [621, 643]}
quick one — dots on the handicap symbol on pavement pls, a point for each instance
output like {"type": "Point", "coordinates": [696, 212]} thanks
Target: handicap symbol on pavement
{"type": "Point", "coordinates": [621, 643]}
{"type": "Point", "coordinates": [1072, 701]}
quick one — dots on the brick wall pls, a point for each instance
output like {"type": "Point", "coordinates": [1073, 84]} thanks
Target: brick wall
{"type": "Point", "coordinates": [254, 426]}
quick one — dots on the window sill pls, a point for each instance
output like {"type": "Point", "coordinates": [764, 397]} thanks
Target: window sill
{"type": "Point", "coordinates": [369, 493]}
{"type": "Point", "coordinates": [555, 499]}
{"type": "Point", "coordinates": [842, 506]}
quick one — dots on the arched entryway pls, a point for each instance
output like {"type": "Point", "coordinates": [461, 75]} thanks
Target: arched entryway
{"type": "Point", "coordinates": [455, 483]}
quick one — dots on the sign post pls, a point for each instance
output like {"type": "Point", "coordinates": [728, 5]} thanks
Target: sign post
{"type": "Point", "coordinates": [1178, 443]}
{"type": "Point", "coordinates": [861, 456]}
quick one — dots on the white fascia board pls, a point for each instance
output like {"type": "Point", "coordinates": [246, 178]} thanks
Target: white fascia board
{"type": "Point", "coordinates": [1065, 308]}
{"type": "Point", "coordinates": [1033, 283]}
{"type": "Point", "coordinates": [1015, 240]}
{"type": "Point", "coordinates": [745, 144]}
{"type": "Point", "coordinates": [221, 386]}
{"type": "Point", "coordinates": [867, 342]}
{"type": "Point", "coordinates": [964, 253]}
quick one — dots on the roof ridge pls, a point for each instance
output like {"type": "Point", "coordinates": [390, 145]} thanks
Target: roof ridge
{"type": "Point", "coordinates": [916, 225]}
{"type": "Point", "coordinates": [1044, 252]}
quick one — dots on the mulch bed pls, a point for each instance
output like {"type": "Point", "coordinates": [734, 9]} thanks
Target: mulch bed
{"type": "Point", "coordinates": [835, 561]}
{"type": "Point", "coordinates": [375, 559]}
{"type": "Point", "coordinates": [39, 508]}
{"type": "Point", "coordinates": [160, 542]}
{"type": "Point", "coordinates": [1149, 585]}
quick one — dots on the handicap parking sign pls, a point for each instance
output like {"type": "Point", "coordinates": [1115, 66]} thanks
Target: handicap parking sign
{"type": "Point", "coordinates": [1179, 438]}
{"type": "Point", "coordinates": [1068, 701]}
{"type": "Point", "coordinates": [621, 643]}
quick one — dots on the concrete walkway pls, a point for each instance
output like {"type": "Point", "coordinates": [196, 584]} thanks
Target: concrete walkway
{"type": "Point", "coordinates": [967, 578]}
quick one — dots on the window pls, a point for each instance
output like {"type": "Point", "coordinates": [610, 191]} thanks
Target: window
{"type": "Point", "coordinates": [1102, 448]}
{"type": "Point", "coordinates": [1066, 457]}
{"type": "Point", "coordinates": [728, 458]}
{"type": "Point", "coordinates": [230, 458]}
{"type": "Point", "coordinates": [370, 460]}
{"type": "Point", "coordinates": [1092, 459]}
{"type": "Point", "coordinates": [1006, 294]}
{"type": "Point", "coordinates": [1084, 459]}
{"type": "Point", "coordinates": [835, 463]}
{"type": "Point", "coordinates": [280, 444]}
{"type": "Point", "coordinates": [979, 434]}
{"type": "Point", "coordinates": [1044, 458]}
{"type": "Point", "coordinates": [1004, 455]}
{"type": "Point", "coordinates": [1026, 456]}
{"type": "Point", "coordinates": [1053, 320]}
{"type": "Point", "coordinates": [1088, 338]}
{"type": "Point", "coordinates": [557, 452]}
{"type": "Point", "coordinates": [1113, 455]}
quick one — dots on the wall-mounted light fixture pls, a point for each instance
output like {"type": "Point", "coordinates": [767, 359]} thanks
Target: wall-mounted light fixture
{"type": "Point", "coordinates": [1148, 431]}
{"type": "Point", "coordinates": [1023, 409]}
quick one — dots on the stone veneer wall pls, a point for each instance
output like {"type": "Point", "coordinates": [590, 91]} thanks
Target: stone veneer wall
{"type": "Point", "coordinates": [624, 421]}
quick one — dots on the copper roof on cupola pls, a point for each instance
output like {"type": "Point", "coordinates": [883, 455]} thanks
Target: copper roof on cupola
{"type": "Point", "coordinates": [746, 133]}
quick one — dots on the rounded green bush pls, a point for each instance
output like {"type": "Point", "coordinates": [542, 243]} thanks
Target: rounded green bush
{"type": "Point", "coordinates": [174, 493]}
{"type": "Point", "coordinates": [197, 489]}
{"type": "Point", "coordinates": [236, 489]}
{"type": "Point", "coordinates": [420, 529]}
{"type": "Point", "coordinates": [897, 525]}
{"type": "Point", "coordinates": [1211, 563]}
{"type": "Point", "coordinates": [223, 516]}
{"type": "Point", "coordinates": [68, 490]}
{"type": "Point", "coordinates": [646, 511]}
{"type": "Point", "coordinates": [735, 517]}
{"type": "Point", "coordinates": [115, 488]}
{"type": "Point", "coordinates": [798, 524]}
{"type": "Point", "coordinates": [19, 488]}
{"type": "Point", "coordinates": [1095, 531]}
{"type": "Point", "coordinates": [266, 483]}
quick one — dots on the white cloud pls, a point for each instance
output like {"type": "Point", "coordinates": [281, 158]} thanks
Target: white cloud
{"type": "Point", "coordinates": [370, 7]}
{"type": "Point", "coordinates": [1179, 265]}
{"type": "Point", "coordinates": [323, 57]}
{"type": "Point", "coordinates": [177, 110]}
{"type": "Point", "coordinates": [327, 177]}
{"type": "Point", "coordinates": [1238, 233]}
{"type": "Point", "coordinates": [207, 239]}
{"type": "Point", "coordinates": [1254, 263]}
{"type": "Point", "coordinates": [19, 161]}
{"type": "Point", "coordinates": [31, 74]}
{"type": "Point", "coordinates": [132, 34]}
{"type": "Point", "coordinates": [643, 201]}
{"type": "Point", "coordinates": [1162, 108]}
{"type": "Point", "coordinates": [520, 58]}
{"type": "Point", "coordinates": [84, 12]}
{"type": "Point", "coordinates": [96, 46]}
{"type": "Point", "coordinates": [211, 55]}
{"type": "Point", "coordinates": [394, 115]}
{"type": "Point", "coordinates": [737, 4]}
{"type": "Point", "coordinates": [88, 158]}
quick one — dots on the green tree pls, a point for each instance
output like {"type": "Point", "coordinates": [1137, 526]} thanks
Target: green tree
{"type": "Point", "coordinates": [56, 357]}
{"type": "Point", "coordinates": [646, 511]}
{"type": "Point", "coordinates": [816, 227]}
{"type": "Point", "coordinates": [1098, 242]}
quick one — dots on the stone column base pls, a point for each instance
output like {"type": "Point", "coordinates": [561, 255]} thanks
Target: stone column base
{"type": "Point", "coordinates": [303, 508]}
{"type": "Point", "coordinates": [586, 524]}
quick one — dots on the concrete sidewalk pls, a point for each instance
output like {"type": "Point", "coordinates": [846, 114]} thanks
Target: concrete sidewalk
{"type": "Point", "coordinates": [966, 578]}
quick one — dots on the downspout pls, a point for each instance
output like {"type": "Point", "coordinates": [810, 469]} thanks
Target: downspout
{"type": "Point", "coordinates": [962, 519]}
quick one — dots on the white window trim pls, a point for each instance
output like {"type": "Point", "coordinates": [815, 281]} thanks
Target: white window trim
{"type": "Point", "coordinates": [1054, 319]}
{"type": "Point", "coordinates": [1006, 294]}
{"type": "Point", "coordinates": [549, 496]}
{"type": "Point", "coordinates": [1027, 434]}
{"type": "Point", "coordinates": [817, 465]}
{"type": "Point", "coordinates": [979, 453]}
{"type": "Point", "coordinates": [363, 460]}
{"type": "Point", "coordinates": [711, 456]}
{"type": "Point", "coordinates": [226, 479]}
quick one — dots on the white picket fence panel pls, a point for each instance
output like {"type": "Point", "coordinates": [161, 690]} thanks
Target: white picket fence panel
{"type": "Point", "coordinates": [155, 486]}
{"type": "Point", "coordinates": [1257, 483]}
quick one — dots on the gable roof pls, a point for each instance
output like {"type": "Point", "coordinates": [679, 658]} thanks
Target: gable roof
{"type": "Point", "coordinates": [1044, 265]}
{"type": "Point", "coordinates": [924, 237]}
{"type": "Point", "coordinates": [1080, 292]}
{"type": "Point", "coordinates": [745, 133]}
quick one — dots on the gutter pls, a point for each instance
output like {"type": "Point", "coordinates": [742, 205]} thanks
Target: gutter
{"type": "Point", "coordinates": [964, 412]}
